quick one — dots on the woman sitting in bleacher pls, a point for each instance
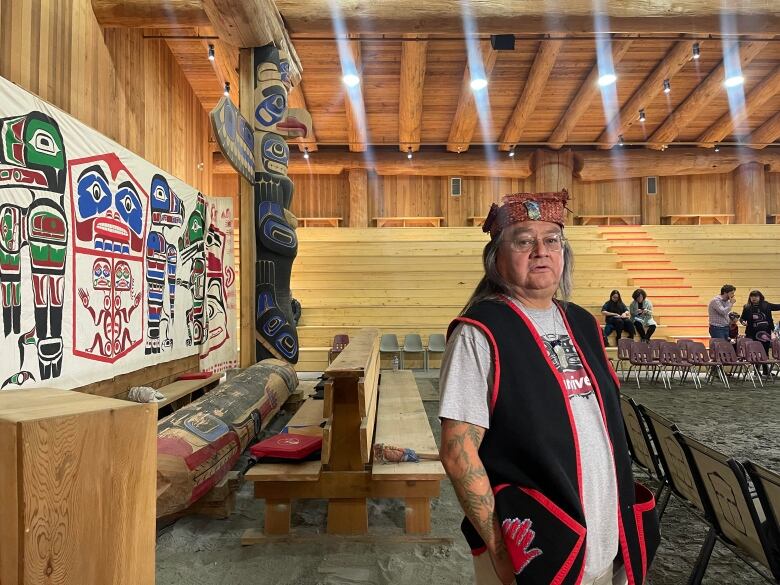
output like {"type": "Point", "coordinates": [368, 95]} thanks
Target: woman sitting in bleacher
{"type": "Point", "coordinates": [616, 317]}
{"type": "Point", "coordinates": [641, 310]}
{"type": "Point", "coordinates": [757, 318]}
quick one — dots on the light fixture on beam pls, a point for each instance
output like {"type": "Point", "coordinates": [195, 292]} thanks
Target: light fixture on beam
{"type": "Point", "coordinates": [734, 81]}
{"type": "Point", "coordinates": [211, 52]}
{"type": "Point", "coordinates": [409, 152]}
{"type": "Point", "coordinates": [667, 86]}
{"type": "Point", "coordinates": [512, 151]}
{"type": "Point", "coordinates": [351, 80]}
{"type": "Point", "coordinates": [478, 83]}
{"type": "Point", "coordinates": [696, 51]}
{"type": "Point", "coordinates": [642, 116]}
{"type": "Point", "coordinates": [717, 148]}
{"type": "Point", "coordinates": [227, 89]}
{"type": "Point", "coordinates": [306, 152]}
{"type": "Point", "coordinates": [620, 140]}
{"type": "Point", "coordinates": [607, 79]}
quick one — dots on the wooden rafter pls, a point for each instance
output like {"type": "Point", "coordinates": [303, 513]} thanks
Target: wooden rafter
{"type": "Point", "coordinates": [297, 99]}
{"type": "Point", "coordinates": [465, 121]}
{"type": "Point", "coordinates": [532, 92]}
{"type": "Point", "coordinates": [767, 133]}
{"type": "Point", "coordinates": [758, 96]}
{"type": "Point", "coordinates": [410, 100]}
{"type": "Point", "coordinates": [673, 61]}
{"type": "Point", "coordinates": [587, 92]}
{"type": "Point", "coordinates": [354, 106]}
{"type": "Point", "coordinates": [700, 97]}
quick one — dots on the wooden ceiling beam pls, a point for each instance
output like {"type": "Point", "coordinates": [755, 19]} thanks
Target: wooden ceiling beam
{"type": "Point", "coordinates": [767, 133]}
{"type": "Point", "coordinates": [466, 117]}
{"type": "Point", "coordinates": [700, 97]}
{"type": "Point", "coordinates": [354, 106]}
{"type": "Point", "coordinates": [585, 95]}
{"type": "Point", "coordinates": [414, 58]}
{"type": "Point", "coordinates": [532, 92]}
{"type": "Point", "coordinates": [758, 96]}
{"type": "Point", "coordinates": [297, 99]}
{"type": "Point", "coordinates": [601, 165]}
{"type": "Point", "coordinates": [674, 60]}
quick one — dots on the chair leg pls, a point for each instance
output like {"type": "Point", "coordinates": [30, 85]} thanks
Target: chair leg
{"type": "Point", "coordinates": [662, 505]}
{"type": "Point", "coordinates": [703, 559]}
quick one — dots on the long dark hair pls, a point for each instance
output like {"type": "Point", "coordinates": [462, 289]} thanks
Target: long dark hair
{"type": "Point", "coordinates": [613, 293]}
{"type": "Point", "coordinates": [755, 293]}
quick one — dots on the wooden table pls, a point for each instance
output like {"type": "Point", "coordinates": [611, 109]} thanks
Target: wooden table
{"type": "Point", "coordinates": [408, 221]}
{"type": "Point", "coordinates": [698, 219]}
{"type": "Point", "coordinates": [607, 219]}
{"type": "Point", "coordinates": [332, 222]}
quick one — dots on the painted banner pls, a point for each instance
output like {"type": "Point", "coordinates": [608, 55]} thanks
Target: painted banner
{"type": "Point", "coordinates": [103, 260]}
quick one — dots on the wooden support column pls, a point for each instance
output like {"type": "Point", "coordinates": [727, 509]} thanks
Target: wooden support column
{"type": "Point", "coordinates": [651, 204]}
{"type": "Point", "coordinates": [553, 171]}
{"type": "Point", "coordinates": [750, 193]}
{"type": "Point", "coordinates": [358, 198]}
{"type": "Point", "coordinates": [247, 221]}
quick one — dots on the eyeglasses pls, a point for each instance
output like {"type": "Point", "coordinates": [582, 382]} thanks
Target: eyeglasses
{"type": "Point", "coordinates": [553, 243]}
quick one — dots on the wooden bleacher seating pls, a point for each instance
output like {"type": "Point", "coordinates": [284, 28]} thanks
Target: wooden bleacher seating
{"type": "Point", "coordinates": [382, 222]}
{"type": "Point", "coordinates": [357, 412]}
{"type": "Point", "coordinates": [331, 222]}
{"type": "Point", "coordinates": [408, 281]}
{"type": "Point", "coordinates": [698, 218]}
{"type": "Point", "coordinates": [607, 219]}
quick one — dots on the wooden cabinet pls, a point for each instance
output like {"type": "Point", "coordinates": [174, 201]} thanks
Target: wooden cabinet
{"type": "Point", "coordinates": [77, 489]}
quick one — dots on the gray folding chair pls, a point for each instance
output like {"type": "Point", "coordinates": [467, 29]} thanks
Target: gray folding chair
{"type": "Point", "coordinates": [436, 344]}
{"type": "Point", "coordinates": [413, 344]}
{"type": "Point", "coordinates": [388, 343]}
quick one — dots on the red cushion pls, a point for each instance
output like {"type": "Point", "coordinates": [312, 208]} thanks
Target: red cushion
{"type": "Point", "coordinates": [287, 446]}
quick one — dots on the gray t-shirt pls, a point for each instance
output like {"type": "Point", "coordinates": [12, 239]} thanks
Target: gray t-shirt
{"type": "Point", "coordinates": [466, 382]}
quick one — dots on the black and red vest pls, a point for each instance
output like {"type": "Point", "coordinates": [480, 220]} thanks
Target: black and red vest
{"type": "Point", "coordinates": [531, 453]}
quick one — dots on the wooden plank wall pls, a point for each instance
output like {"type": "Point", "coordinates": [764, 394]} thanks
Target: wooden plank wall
{"type": "Point", "coordinates": [129, 88]}
{"type": "Point", "coordinates": [328, 195]}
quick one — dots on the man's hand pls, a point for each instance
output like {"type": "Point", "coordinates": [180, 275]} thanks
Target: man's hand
{"type": "Point", "coordinates": [502, 565]}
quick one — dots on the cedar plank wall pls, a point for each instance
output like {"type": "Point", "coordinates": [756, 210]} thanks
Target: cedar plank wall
{"type": "Point", "coordinates": [128, 88]}
{"type": "Point", "coordinates": [328, 196]}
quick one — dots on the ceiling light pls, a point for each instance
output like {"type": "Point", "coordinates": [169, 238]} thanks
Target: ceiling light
{"type": "Point", "coordinates": [642, 116]}
{"type": "Point", "coordinates": [351, 80]}
{"type": "Point", "coordinates": [409, 152]}
{"type": "Point", "coordinates": [478, 83]}
{"type": "Point", "coordinates": [667, 86]}
{"type": "Point", "coordinates": [211, 52]}
{"type": "Point", "coordinates": [696, 51]}
{"type": "Point", "coordinates": [717, 148]}
{"type": "Point", "coordinates": [306, 152]}
{"type": "Point", "coordinates": [227, 88]}
{"type": "Point", "coordinates": [459, 150]}
{"type": "Point", "coordinates": [607, 79]}
{"type": "Point", "coordinates": [620, 140]}
{"type": "Point", "coordinates": [512, 151]}
{"type": "Point", "coordinates": [734, 81]}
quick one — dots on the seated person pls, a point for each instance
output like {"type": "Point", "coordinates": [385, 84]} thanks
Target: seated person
{"type": "Point", "coordinates": [616, 317]}
{"type": "Point", "coordinates": [733, 328]}
{"type": "Point", "coordinates": [641, 310]}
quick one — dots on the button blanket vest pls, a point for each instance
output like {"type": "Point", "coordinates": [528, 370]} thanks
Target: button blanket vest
{"type": "Point", "coordinates": [531, 452]}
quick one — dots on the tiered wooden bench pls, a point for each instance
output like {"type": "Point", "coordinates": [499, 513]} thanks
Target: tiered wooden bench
{"type": "Point", "coordinates": [607, 219]}
{"type": "Point", "coordinates": [355, 403]}
{"type": "Point", "coordinates": [333, 222]}
{"type": "Point", "coordinates": [698, 218]}
{"type": "Point", "coordinates": [408, 221]}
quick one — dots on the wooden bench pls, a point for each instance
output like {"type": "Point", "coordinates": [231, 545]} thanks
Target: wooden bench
{"type": "Point", "coordinates": [607, 219]}
{"type": "Point", "coordinates": [332, 222]}
{"type": "Point", "coordinates": [408, 221]}
{"type": "Point", "coordinates": [355, 403]}
{"type": "Point", "coordinates": [698, 219]}
{"type": "Point", "coordinates": [773, 218]}
{"type": "Point", "coordinates": [182, 392]}
{"type": "Point", "coordinates": [476, 220]}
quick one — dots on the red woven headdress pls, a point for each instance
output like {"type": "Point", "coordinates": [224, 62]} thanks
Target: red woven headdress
{"type": "Point", "coordinates": [519, 207]}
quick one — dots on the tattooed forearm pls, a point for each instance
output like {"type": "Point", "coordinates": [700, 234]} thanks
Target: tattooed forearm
{"type": "Point", "coordinates": [460, 456]}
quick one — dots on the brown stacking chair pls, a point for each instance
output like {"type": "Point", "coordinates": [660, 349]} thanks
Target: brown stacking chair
{"type": "Point", "coordinates": [725, 354]}
{"type": "Point", "coordinates": [340, 341]}
{"type": "Point", "coordinates": [756, 355]}
{"type": "Point", "coordinates": [700, 359]}
{"type": "Point", "coordinates": [623, 354]}
{"type": "Point", "coordinates": [672, 361]}
{"type": "Point", "coordinates": [642, 357]}
{"type": "Point", "coordinates": [738, 524]}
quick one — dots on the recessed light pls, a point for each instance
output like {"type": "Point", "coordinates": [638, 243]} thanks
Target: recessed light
{"type": "Point", "coordinates": [607, 79]}
{"type": "Point", "coordinates": [478, 83]}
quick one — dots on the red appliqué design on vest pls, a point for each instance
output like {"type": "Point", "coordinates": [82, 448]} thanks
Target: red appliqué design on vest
{"type": "Point", "coordinates": [518, 536]}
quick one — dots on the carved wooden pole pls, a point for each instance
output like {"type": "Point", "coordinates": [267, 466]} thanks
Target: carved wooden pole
{"type": "Point", "coordinates": [750, 193]}
{"type": "Point", "coordinates": [553, 171]}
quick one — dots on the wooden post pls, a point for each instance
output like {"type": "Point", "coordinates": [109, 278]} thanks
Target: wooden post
{"type": "Point", "coordinates": [750, 193]}
{"type": "Point", "coordinates": [651, 204]}
{"type": "Point", "coordinates": [358, 198]}
{"type": "Point", "coordinates": [247, 221]}
{"type": "Point", "coordinates": [553, 171]}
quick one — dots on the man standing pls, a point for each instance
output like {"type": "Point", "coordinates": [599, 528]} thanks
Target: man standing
{"type": "Point", "coordinates": [719, 309]}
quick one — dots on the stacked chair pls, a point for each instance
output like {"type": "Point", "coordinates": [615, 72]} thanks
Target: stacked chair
{"type": "Point", "coordinates": [711, 485]}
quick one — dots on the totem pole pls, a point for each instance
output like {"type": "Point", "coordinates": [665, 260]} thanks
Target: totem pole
{"type": "Point", "coordinates": [258, 151]}
{"type": "Point", "coordinates": [32, 159]}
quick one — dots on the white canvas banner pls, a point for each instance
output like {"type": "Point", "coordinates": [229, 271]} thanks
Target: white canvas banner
{"type": "Point", "coordinates": [102, 259]}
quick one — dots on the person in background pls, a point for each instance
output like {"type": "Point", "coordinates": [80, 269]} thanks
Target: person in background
{"type": "Point", "coordinates": [718, 311]}
{"type": "Point", "coordinates": [532, 435]}
{"type": "Point", "coordinates": [733, 328]}
{"type": "Point", "coordinates": [617, 317]}
{"type": "Point", "coordinates": [757, 318]}
{"type": "Point", "coordinates": [641, 310]}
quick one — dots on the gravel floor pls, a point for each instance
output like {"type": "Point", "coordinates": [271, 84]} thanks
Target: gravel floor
{"type": "Point", "coordinates": [741, 422]}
